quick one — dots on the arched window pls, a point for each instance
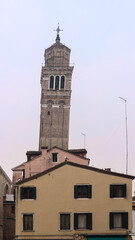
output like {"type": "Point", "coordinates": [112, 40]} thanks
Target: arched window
{"type": "Point", "coordinates": [6, 190]}
{"type": "Point", "coordinates": [62, 85]}
{"type": "Point", "coordinates": [51, 82]}
{"type": "Point", "coordinates": [57, 83]}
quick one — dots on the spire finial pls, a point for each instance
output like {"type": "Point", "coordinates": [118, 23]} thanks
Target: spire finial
{"type": "Point", "coordinates": [58, 30]}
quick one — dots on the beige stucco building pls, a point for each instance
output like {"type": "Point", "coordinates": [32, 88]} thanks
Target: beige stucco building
{"type": "Point", "coordinates": [73, 201]}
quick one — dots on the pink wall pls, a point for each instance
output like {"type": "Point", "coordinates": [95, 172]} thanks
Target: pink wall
{"type": "Point", "coordinates": [44, 161]}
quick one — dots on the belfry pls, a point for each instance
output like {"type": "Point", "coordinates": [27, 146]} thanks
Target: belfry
{"type": "Point", "coordinates": [56, 78]}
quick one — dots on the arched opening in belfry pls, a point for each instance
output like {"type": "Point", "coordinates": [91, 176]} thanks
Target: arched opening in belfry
{"type": "Point", "coordinates": [57, 83]}
{"type": "Point", "coordinates": [62, 85]}
{"type": "Point", "coordinates": [51, 82]}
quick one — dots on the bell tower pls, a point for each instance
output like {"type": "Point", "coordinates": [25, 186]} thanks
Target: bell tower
{"type": "Point", "coordinates": [56, 78]}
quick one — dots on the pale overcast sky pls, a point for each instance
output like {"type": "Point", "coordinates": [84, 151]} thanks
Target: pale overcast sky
{"type": "Point", "coordinates": [101, 35]}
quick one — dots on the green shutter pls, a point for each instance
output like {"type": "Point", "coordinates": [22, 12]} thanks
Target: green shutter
{"type": "Point", "coordinates": [124, 190]}
{"type": "Point", "coordinates": [111, 191]}
{"type": "Point", "coordinates": [89, 191]}
{"type": "Point", "coordinates": [21, 193]}
{"type": "Point", "coordinates": [89, 221]}
{"type": "Point", "coordinates": [75, 221]}
{"type": "Point", "coordinates": [75, 191]}
{"type": "Point", "coordinates": [125, 220]}
{"type": "Point", "coordinates": [34, 192]}
{"type": "Point", "coordinates": [111, 220]}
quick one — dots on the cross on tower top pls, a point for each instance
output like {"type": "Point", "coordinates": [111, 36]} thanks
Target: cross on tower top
{"type": "Point", "coordinates": [58, 30]}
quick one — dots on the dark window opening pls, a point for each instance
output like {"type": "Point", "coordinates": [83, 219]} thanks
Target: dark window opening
{"type": "Point", "coordinates": [57, 83]}
{"type": "Point", "coordinates": [117, 191]}
{"type": "Point", "coordinates": [54, 157]}
{"type": "Point", "coordinates": [62, 86]}
{"type": "Point", "coordinates": [64, 221]}
{"type": "Point", "coordinates": [83, 221]}
{"type": "Point", "coordinates": [82, 191]}
{"type": "Point", "coordinates": [23, 173]}
{"type": "Point", "coordinates": [119, 220]}
{"type": "Point", "coordinates": [48, 112]}
{"type": "Point", "coordinates": [27, 222]}
{"type": "Point", "coordinates": [51, 82]}
{"type": "Point", "coordinates": [28, 193]}
{"type": "Point", "coordinates": [12, 209]}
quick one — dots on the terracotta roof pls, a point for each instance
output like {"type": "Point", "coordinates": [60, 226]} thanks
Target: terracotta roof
{"type": "Point", "coordinates": [77, 150]}
{"type": "Point", "coordinates": [75, 165]}
{"type": "Point", "coordinates": [33, 153]}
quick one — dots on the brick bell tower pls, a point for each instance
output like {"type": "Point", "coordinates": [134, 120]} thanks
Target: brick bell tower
{"type": "Point", "coordinates": [56, 78]}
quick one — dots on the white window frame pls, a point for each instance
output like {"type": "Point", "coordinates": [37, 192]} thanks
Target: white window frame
{"type": "Point", "coordinates": [81, 229]}
{"type": "Point", "coordinates": [59, 82]}
{"type": "Point", "coordinates": [33, 222]}
{"type": "Point", "coordinates": [70, 221]}
{"type": "Point", "coordinates": [57, 157]}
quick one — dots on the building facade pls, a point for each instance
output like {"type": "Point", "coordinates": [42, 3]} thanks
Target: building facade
{"type": "Point", "coordinates": [56, 78]}
{"type": "Point", "coordinates": [5, 188]}
{"type": "Point", "coordinates": [39, 161]}
{"type": "Point", "coordinates": [73, 201]}
{"type": "Point", "coordinates": [8, 217]}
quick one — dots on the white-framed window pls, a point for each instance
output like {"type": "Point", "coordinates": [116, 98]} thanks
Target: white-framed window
{"type": "Point", "coordinates": [54, 157]}
{"type": "Point", "coordinates": [57, 82]}
{"type": "Point", "coordinates": [51, 86]}
{"type": "Point", "coordinates": [28, 222]}
{"type": "Point", "coordinates": [62, 83]}
{"type": "Point", "coordinates": [65, 221]}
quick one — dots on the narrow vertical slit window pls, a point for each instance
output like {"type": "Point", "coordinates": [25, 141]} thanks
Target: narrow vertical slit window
{"type": "Point", "coordinates": [62, 82]}
{"type": "Point", "coordinates": [51, 82]}
{"type": "Point", "coordinates": [57, 83]}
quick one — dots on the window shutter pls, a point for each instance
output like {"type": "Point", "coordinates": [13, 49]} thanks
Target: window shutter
{"type": "Point", "coordinates": [21, 193]}
{"type": "Point", "coordinates": [75, 221]}
{"type": "Point", "coordinates": [125, 220]}
{"type": "Point", "coordinates": [89, 191]}
{"type": "Point", "coordinates": [111, 220]}
{"type": "Point", "coordinates": [89, 221]}
{"type": "Point", "coordinates": [111, 191]}
{"type": "Point", "coordinates": [34, 192]}
{"type": "Point", "coordinates": [75, 191]}
{"type": "Point", "coordinates": [124, 190]}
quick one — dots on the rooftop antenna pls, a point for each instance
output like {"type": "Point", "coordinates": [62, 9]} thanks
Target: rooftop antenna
{"type": "Point", "coordinates": [58, 30]}
{"type": "Point", "coordinates": [84, 138]}
{"type": "Point", "coordinates": [126, 129]}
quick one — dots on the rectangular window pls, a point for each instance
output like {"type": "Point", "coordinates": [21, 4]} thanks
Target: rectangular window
{"type": "Point", "coordinates": [28, 192]}
{"type": "Point", "coordinates": [27, 222]}
{"type": "Point", "coordinates": [119, 220]}
{"type": "Point", "coordinates": [65, 221]}
{"type": "Point", "coordinates": [54, 157]}
{"type": "Point", "coordinates": [83, 221]}
{"type": "Point", "coordinates": [117, 190]}
{"type": "Point", "coordinates": [82, 191]}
